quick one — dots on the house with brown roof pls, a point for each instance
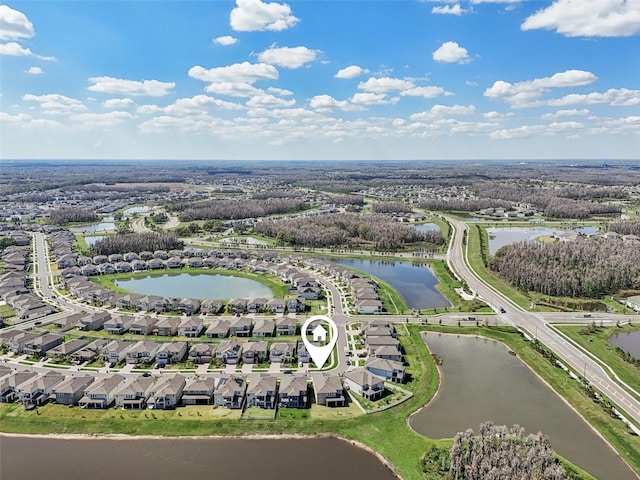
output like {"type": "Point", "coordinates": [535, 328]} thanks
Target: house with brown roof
{"type": "Point", "coordinates": [198, 391]}
{"type": "Point", "coordinates": [143, 325]}
{"type": "Point", "coordinates": [280, 352]}
{"type": "Point", "coordinates": [202, 353]}
{"type": "Point", "coordinates": [118, 325]}
{"type": "Point", "coordinates": [142, 352]}
{"type": "Point", "coordinates": [218, 329]}
{"type": "Point", "coordinates": [171, 353]}
{"type": "Point", "coordinates": [254, 352]}
{"type": "Point", "coordinates": [166, 393]}
{"type": "Point", "coordinates": [229, 351]}
{"type": "Point", "coordinates": [167, 327]}
{"type": "Point", "coordinates": [328, 390]}
{"type": "Point", "coordinates": [133, 393]}
{"type": "Point", "coordinates": [191, 327]}
{"type": "Point", "coordinates": [40, 345]}
{"type": "Point", "coordinates": [240, 327]}
{"type": "Point", "coordinates": [263, 327]}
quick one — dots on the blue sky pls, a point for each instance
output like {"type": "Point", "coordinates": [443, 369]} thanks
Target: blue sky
{"type": "Point", "coordinates": [377, 79]}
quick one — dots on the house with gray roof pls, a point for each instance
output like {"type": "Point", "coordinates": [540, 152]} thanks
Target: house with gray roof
{"type": "Point", "coordinates": [133, 393]}
{"type": "Point", "coordinates": [166, 393]}
{"type": "Point", "coordinates": [37, 390]}
{"type": "Point", "coordinates": [286, 326]}
{"type": "Point", "coordinates": [240, 327]}
{"type": "Point", "coordinates": [167, 327]}
{"type": "Point", "coordinates": [231, 392]}
{"type": "Point", "coordinates": [365, 383]}
{"type": "Point", "coordinates": [262, 391]}
{"type": "Point", "coordinates": [229, 351]}
{"type": "Point", "coordinates": [280, 352]}
{"type": "Point", "coordinates": [198, 391]}
{"type": "Point", "coordinates": [71, 390]}
{"type": "Point", "coordinates": [68, 348]}
{"type": "Point", "coordinates": [328, 390]}
{"type": "Point", "coordinates": [293, 391]}
{"type": "Point", "coordinates": [9, 384]}
{"type": "Point", "coordinates": [40, 345]}
{"type": "Point", "coordinates": [143, 325]}
{"type": "Point", "coordinates": [191, 327]}
{"type": "Point", "coordinates": [202, 353]}
{"type": "Point", "coordinates": [171, 353]}
{"type": "Point", "coordinates": [263, 327]}
{"type": "Point", "coordinates": [101, 393]}
{"type": "Point", "coordinates": [218, 329]}
{"type": "Point", "coordinates": [255, 352]}
{"type": "Point", "coordinates": [118, 325]}
{"type": "Point", "coordinates": [142, 352]}
{"type": "Point", "coordinates": [388, 369]}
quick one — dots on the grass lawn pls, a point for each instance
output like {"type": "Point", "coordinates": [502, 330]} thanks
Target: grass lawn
{"type": "Point", "coordinates": [598, 344]}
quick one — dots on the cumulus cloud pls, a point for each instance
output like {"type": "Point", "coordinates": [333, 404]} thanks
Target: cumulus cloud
{"type": "Point", "coordinates": [601, 18]}
{"type": "Point", "coordinates": [199, 104]}
{"type": "Point", "coordinates": [352, 71]}
{"type": "Point", "coordinates": [14, 24]}
{"type": "Point", "coordinates": [617, 97]}
{"type": "Point", "coordinates": [244, 72]}
{"type": "Point", "coordinates": [119, 103]}
{"type": "Point", "coordinates": [425, 92]}
{"type": "Point", "coordinates": [287, 57]}
{"type": "Point", "coordinates": [449, 10]}
{"type": "Point", "coordinates": [279, 91]}
{"type": "Point", "coordinates": [269, 101]}
{"type": "Point", "coordinates": [372, 99]}
{"type": "Point", "coordinates": [118, 86]}
{"type": "Point", "coordinates": [477, 2]}
{"type": "Point", "coordinates": [451, 52]}
{"type": "Point", "coordinates": [54, 103]}
{"type": "Point", "coordinates": [34, 71]}
{"type": "Point", "coordinates": [13, 49]}
{"type": "Point", "coordinates": [385, 84]}
{"type": "Point", "coordinates": [326, 103]}
{"type": "Point", "coordinates": [233, 89]}
{"type": "Point", "coordinates": [91, 120]}
{"type": "Point", "coordinates": [565, 113]}
{"type": "Point", "coordinates": [528, 92]}
{"type": "Point", "coordinates": [255, 15]}
{"type": "Point", "coordinates": [225, 40]}
{"type": "Point", "coordinates": [443, 111]}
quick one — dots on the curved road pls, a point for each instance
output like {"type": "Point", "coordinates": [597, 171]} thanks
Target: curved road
{"type": "Point", "coordinates": [537, 326]}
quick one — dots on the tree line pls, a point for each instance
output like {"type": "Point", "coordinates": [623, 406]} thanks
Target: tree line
{"type": "Point", "coordinates": [235, 209]}
{"type": "Point", "coordinates": [391, 207]}
{"type": "Point", "coordinates": [136, 242]}
{"type": "Point", "coordinates": [346, 229]}
{"type": "Point", "coordinates": [589, 267]}
{"type": "Point", "coordinates": [464, 205]}
{"type": "Point", "coordinates": [63, 216]}
{"type": "Point", "coordinates": [626, 227]}
{"type": "Point", "coordinates": [498, 452]}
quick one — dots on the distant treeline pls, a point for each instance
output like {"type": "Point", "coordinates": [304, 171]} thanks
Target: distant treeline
{"type": "Point", "coordinates": [626, 227]}
{"type": "Point", "coordinates": [64, 216]}
{"type": "Point", "coordinates": [136, 242]}
{"type": "Point", "coordinates": [235, 209]}
{"type": "Point", "coordinates": [589, 267]}
{"type": "Point", "coordinates": [391, 207]}
{"type": "Point", "coordinates": [346, 229]}
{"type": "Point", "coordinates": [460, 205]}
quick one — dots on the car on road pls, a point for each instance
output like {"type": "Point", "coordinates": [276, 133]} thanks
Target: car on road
{"type": "Point", "coordinates": [502, 310]}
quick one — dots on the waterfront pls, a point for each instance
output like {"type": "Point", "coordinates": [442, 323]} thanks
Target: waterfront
{"type": "Point", "coordinates": [628, 341]}
{"type": "Point", "coordinates": [171, 458]}
{"type": "Point", "coordinates": [481, 382]}
{"type": "Point", "coordinates": [415, 282]}
{"type": "Point", "coordinates": [202, 286]}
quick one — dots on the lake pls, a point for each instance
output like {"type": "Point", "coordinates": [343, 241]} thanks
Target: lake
{"type": "Point", "coordinates": [501, 236]}
{"type": "Point", "coordinates": [481, 382]}
{"type": "Point", "coordinates": [138, 209]}
{"type": "Point", "coordinates": [202, 286]}
{"type": "Point", "coordinates": [425, 227]}
{"type": "Point", "coordinates": [93, 239]}
{"type": "Point", "coordinates": [415, 282]}
{"type": "Point", "coordinates": [185, 458]}
{"type": "Point", "coordinates": [628, 341]}
{"type": "Point", "coordinates": [94, 227]}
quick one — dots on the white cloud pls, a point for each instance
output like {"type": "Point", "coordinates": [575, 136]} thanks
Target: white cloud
{"type": "Point", "coordinates": [13, 49]}
{"type": "Point", "coordinates": [225, 40]}
{"type": "Point", "coordinates": [231, 89]}
{"type": "Point", "coordinates": [449, 10]}
{"type": "Point", "coordinates": [525, 131]}
{"type": "Point", "coordinates": [55, 103]}
{"type": "Point", "coordinates": [119, 103]}
{"type": "Point", "coordinates": [255, 15]}
{"type": "Point", "coordinates": [493, 115]}
{"type": "Point", "coordinates": [565, 113]}
{"type": "Point", "coordinates": [279, 91]}
{"type": "Point", "coordinates": [443, 111]}
{"type": "Point", "coordinates": [599, 18]}
{"type": "Point", "coordinates": [477, 2]}
{"type": "Point", "coordinates": [244, 72]}
{"type": "Point", "coordinates": [199, 104]}
{"type": "Point", "coordinates": [526, 93]}
{"type": "Point", "coordinates": [451, 52]}
{"type": "Point", "coordinates": [326, 103]}
{"type": "Point", "coordinates": [565, 125]}
{"type": "Point", "coordinates": [288, 57]}
{"type": "Point", "coordinates": [34, 71]}
{"type": "Point", "coordinates": [118, 86]}
{"type": "Point", "coordinates": [14, 24]}
{"type": "Point", "coordinates": [91, 120]}
{"type": "Point", "coordinates": [372, 99]}
{"type": "Point", "coordinates": [385, 84]}
{"type": "Point", "coordinates": [425, 92]}
{"type": "Point", "coordinates": [617, 97]}
{"type": "Point", "coordinates": [269, 101]}
{"type": "Point", "coordinates": [351, 71]}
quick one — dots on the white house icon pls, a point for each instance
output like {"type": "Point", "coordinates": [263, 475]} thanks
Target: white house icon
{"type": "Point", "coordinates": [319, 334]}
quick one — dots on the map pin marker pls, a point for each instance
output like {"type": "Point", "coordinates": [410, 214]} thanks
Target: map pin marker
{"type": "Point", "coordinates": [319, 354]}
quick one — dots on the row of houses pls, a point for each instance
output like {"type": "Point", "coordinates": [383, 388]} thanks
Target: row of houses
{"type": "Point", "coordinates": [170, 391]}
{"type": "Point", "coordinates": [383, 351]}
{"type": "Point", "coordinates": [148, 352]}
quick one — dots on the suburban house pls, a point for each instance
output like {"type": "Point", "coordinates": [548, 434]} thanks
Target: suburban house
{"type": "Point", "coordinates": [166, 393]}
{"type": "Point", "coordinates": [71, 390]}
{"type": "Point", "coordinates": [37, 390]}
{"type": "Point", "coordinates": [230, 392]}
{"type": "Point", "coordinates": [388, 352]}
{"type": "Point", "coordinates": [303, 354]}
{"type": "Point", "coordinates": [240, 327]}
{"type": "Point", "coordinates": [218, 329]}
{"type": "Point", "coordinates": [388, 369]}
{"type": "Point", "coordinates": [277, 305]}
{"type": "Point", "coordinates": [118, 325]}
{"type": "Point", "coordinates": [375, 342]}
{"type": "Point", "coordinates": [115, 351]}
{"type": "Point", "coordinates": [254, 352]}
{"type": "Point", "coordinates": [369, 306]}
{"type": "Point", "coordinates": [263, 327]}
{"type": "Point", "coordinates": [286, 326]}
{"type": "Point", "coordinates": [261, 391]}
{"type": "Point", "coordinates": [366, 384]}
{"type": "Point", "coordinates": [189, 306]}
{"type": "Point", "coordinates": [164, 304]}
{"type": "Point", "coordinates": [170, 353]}
{"type": "Point", "coordinates": [229, 351]}
{"type": "Point", "coordinates": [67, 348]}
{"type": "Point", "coordinates": [133, 393]}
{"type": "Point", "coordinates": [89, 353]}
{"type": "Point", "coordinates": [211, 307]}
{"type": "Point", "coordinates": [198, 391]}
{"type": "Point", "coordinates": [40, 345]}
{"type": "Point", "coordinates": [174, 262]}
{"type": "Point", "coordinates": [101, 393]}
{"type": "Point", "coordinates": [280, 352]}
{"type": "Point", "coordinates": [167, 327]}
{"type": "Point", "coordinates": [9, 385]}
{"type": "Point", "coordinates": [202, 353]}
{"type": "Point", "coordinates": [295, 304]}
{"type": "Point", "coordinates": [143, 325]}
{"type": "Point", "coordinates": [94, 321]}
{"type": "Point", "coordinates": [190, 327]}
{"type": "Point", "coordinates": [142, 352]}
{"type": "Point", "coordinates": [147, 302]}
{"type": "Point", "coordinates": [237, 306]}
{"type": "Point", "coordinates": [328, 390]}
{"type": "Point", "coordinates": [256, 305]}
{"type": "Point", "coordinates": [293, 392]}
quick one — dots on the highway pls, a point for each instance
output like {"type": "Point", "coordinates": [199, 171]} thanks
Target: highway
{"type": "Point", "coordinates": [537, 326]}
